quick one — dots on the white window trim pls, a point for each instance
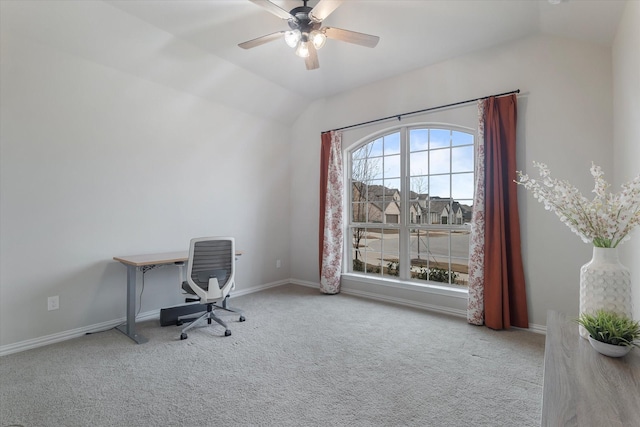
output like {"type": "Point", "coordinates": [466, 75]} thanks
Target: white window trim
{"type": "Point", "coordinates": [426, 287]}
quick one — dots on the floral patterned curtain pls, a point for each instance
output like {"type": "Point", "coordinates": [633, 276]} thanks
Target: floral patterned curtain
{"type": "Point", "coordinates": [475, 304]}
{"type": "Point", "coordinates": [497, 294]}
{"type": "Point", "coordinates": [331, 237]}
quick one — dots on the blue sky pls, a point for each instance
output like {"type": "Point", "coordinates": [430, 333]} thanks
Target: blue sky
{"type": "Point", "coordinates": [432, 152]}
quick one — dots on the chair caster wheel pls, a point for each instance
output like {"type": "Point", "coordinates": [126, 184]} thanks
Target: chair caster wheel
{"type": "Point", "coordinates": [242, 319]}
{"type": "Point", "coordinates": [227, 333]}
{"type": "Point", "coordinates": [183, 336]}
{"type": "Point", "coordinates": [179, 323]}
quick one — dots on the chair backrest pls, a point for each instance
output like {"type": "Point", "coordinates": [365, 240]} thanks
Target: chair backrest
{"type": "Point", "coordinates": [211, 267]}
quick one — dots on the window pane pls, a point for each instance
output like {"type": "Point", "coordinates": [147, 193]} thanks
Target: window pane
{"type": "Point", "coordinates": [392, 144]}
{"type": "Point", "coordinates": [366, 169]}
{"type": "Point", "coordinates": [439, 257]}
{"type": "Point", "coordinates": [460, 256]}
{"type": "Point", "coordinates": [419, 163]}
{"type": "Point", "coordinates": [392, 187]}
{"type": "Point", "coordinates": [358, 212]}
{"type": "Point", "coordinates": [375, 148]}
{"type": "Point", "coordinates": [361, 152]}
{"type": "Point", "coordinates": [439, 186]}
{"type": "Point", "coordinates": [374, 212]}
{"type": "Point", "coordinates": [467, 210]}
{"type": "Point", "coordinates": [374, 169]}
{"type": "Point", "coordinates": [358, 191]}
{"type": "Point", "coordinates": [390, 253]}
{"type": "Point", "coordinates": [461, 138]}
{"type": "Point", "coordinates": [392, 212]}
{"type": "Point", "coordinates": [462, 186]}
{"type": "Point", "coordinates": [439, 138]}
{"type": "Point", "coordinates": [439, 161]}
{"type": "Point", "coordinates": [392, 166]}
{"type": "Point", "coordinates": [418, 139]}
{"type": "Point", "coordinates": [374, 190]}
{"type": "Point", "coordinates": [462, 159]}
{"type": "Point", "coordinates": [418, 247]}
{"type": "Point", "coordinates": [358, 243]}
{"type": "Point", "coordinates": [371, 252]}
{"type": "Point", "coordinates": [419, 186]}
{"type": "Point", "coordinates": [357, 168]}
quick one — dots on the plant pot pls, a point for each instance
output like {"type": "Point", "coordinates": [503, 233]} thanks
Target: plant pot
{"type": "Point", "coordinates": [605, 284]}
{"type": "Point", "coordinates": [610, 349]}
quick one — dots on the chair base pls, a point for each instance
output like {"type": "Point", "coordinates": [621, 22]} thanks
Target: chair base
{"type": "Point", "coordinates": [210, 315]}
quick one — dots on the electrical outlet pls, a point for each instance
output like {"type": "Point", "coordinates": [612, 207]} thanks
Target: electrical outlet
{"type": "Point", "coordinates": [53, 303]}
{"type": "Point", "coordinates": [278, 263]}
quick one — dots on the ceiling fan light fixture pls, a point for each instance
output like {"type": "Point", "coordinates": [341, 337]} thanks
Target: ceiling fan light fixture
{"type": "Point", "coordinates": [303, 49]}
{"type": "Point", "coordinates": [292, 38]}
{"type": "Point", "coordinates": [318, 38]}
{"type": "Point", "coordinates": [305, 34]}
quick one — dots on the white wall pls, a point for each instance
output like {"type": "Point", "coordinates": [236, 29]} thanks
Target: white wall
{"type": "Point", "coordinates": [97, 162]}
{"type": "Point", "coordinates": [626, 109]}
{"type": "Point", "coordinates": [97, 158]}
{"type": "Point", "coordinates": [565, 120]}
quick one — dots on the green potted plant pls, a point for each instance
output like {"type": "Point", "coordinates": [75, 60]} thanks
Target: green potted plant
{"type": "Point", "coordinates": [610, 334]}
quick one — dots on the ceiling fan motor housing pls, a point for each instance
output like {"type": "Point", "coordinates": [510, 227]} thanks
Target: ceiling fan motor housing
{"type": "Point", "coordinates": [302, 21]}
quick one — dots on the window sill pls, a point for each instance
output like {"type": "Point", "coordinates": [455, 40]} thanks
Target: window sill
{"type": "Point", "coordinates": [428, 288]}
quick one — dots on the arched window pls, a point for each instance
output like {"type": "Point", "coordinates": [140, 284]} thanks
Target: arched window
{"type": "Point", "coordinates": [411, 192]}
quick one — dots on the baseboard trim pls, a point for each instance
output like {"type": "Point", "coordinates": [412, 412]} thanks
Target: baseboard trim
{"type": "Point", "coordinates": [110, 324]}
{"type": "Point", "coordinates": [155, 314]}
{"type": "Point", "coordinates": [304, 283]}
{"type": "Point", "coordinates": [60, 336]}
{"type": "Point", "coordinates": [538, 329]}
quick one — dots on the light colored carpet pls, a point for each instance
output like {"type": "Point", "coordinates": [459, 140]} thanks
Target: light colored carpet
{"type": "Point", "coordinates": [300, 359]}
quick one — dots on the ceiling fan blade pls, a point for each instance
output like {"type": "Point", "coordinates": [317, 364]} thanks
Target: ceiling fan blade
{"type": "Point", "coordinates": [311, 61]}
{"type": "Point", "coordinates": [351, 36]}
{"type": "Point", "coordinates": [275, 9]}
{"type": "Point", "coordinates": [261, 40]}
{"type": "Point", "coordinates": [324, 9]}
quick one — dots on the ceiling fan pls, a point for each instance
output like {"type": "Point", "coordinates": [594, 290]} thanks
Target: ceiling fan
{"type": "Point", "coordinates": [306, 34]}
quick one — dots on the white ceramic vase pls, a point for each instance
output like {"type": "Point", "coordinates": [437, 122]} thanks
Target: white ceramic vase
{"type": "Point", "coordinates": [605, 284]}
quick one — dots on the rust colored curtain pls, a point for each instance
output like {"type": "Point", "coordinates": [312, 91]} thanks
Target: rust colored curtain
{"type": "Point", "coordinates": [331, 235]}
{"type": "Point", "coordinates": [505, 300]}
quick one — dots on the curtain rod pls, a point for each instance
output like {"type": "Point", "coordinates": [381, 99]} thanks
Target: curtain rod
{"type": "Point", "coordinates": [399, 116]}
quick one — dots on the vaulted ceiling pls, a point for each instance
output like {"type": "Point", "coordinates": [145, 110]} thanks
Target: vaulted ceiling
{"type": "Point", "coordinates": [192, 45]}
{"type": "Point", "coordinates": [413, 34]}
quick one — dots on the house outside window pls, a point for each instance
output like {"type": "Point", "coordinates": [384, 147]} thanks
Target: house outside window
{"type": "Point", "coordinates": [411, 193]}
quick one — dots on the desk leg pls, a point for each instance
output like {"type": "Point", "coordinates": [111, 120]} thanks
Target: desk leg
{"type": "Point", "coordinates": [134, 276]}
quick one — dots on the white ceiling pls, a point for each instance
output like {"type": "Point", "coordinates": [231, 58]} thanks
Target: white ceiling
{"type": "Point", "coordinates": [413, 34]}
{"type": "Point", "coordinates": [192, 45]}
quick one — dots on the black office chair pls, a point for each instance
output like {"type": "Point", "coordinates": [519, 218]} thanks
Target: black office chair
{"type": "Point", "coordinates": [210, 278]}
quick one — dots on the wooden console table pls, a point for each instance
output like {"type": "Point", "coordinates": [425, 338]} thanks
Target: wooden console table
{"type": "Point", "coordinates": [583, 387]}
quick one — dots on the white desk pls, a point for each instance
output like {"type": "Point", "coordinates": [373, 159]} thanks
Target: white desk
{"type": "Point", "coordinates": [136, 266]}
